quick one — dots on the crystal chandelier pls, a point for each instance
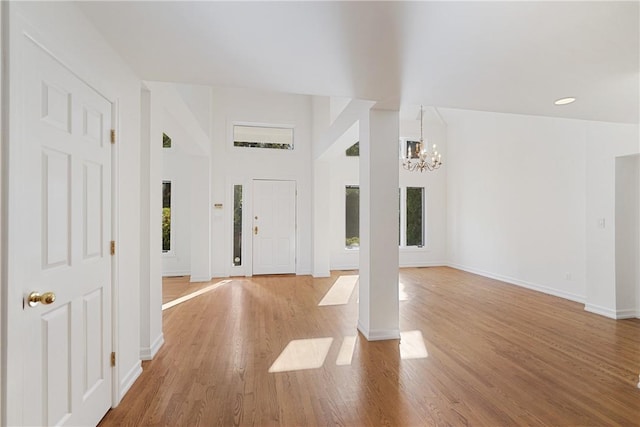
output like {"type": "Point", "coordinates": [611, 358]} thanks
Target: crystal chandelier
{"type": "Point", "coordinates": [421, 159]}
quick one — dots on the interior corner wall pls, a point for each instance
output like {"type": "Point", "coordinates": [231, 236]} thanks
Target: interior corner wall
{"type": "Point", "coordinates": [66, 32]}
{"type": "Point", "coordinates": [200, 219]}
{"type": "Point", "coordinates": [604, 142]}
{"type": "Point", "coordinates": [3, 141]}
{"type": "Point", "coordinates": [178, 112]}
{"type": "Point", "coordinates": [176, 168]}
{"type": "Point", "coordinates": [516, 199]}
{"type": "Point", "coordinates": [147, 260]}
{"type": "Point", "coordinates": [627, 231]}
{"type": "Point", "coordinates": [238, 165]}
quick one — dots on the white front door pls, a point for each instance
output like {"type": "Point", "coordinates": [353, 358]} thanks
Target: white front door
{"type": "Point", "coordinates": [60, 232]}
{"type": "Point", "coordinates": [274, 227]}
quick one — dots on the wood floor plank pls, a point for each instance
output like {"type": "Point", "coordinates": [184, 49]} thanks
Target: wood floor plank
{"type": "Point", "coordinates": [498, 354]}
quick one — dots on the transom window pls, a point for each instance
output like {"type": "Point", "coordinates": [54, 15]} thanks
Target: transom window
{"type": "Point", "coordinates": [280, 138]}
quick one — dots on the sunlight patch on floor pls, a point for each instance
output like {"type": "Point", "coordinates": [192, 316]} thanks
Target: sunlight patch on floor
{"type": "Point", "coordinates": [346, 351]}
{"type": "Point", "coordinates": [341, 291]}
{"type": "Point", "coordinates": [193, 294]}
{"type": "Point", "coordinates": [302, 354]}
{"type": "Point", "coordinates": [412, 345]}
{"type": "Point", "coordinates": [402, 293]}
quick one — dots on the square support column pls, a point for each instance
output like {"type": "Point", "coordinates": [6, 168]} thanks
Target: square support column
{"type": "Point", "coordinates": [321, 223]}
{"type": "Point", "coordinates": [378, 311]}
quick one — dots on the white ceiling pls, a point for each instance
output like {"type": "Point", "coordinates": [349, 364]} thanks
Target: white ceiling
{"type": "Point", "coordinates": [515, 57]}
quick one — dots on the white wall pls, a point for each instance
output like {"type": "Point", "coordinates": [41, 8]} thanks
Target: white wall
{"type": "Point", "coordinates": [516, 198]}
{"type": "Point", "coordinates": [3, 140]}
{"type": "Point", "coordinates": [65, 31]}
{"type": "Point", "coordinates": [604, 142]}
{"type": "Point", "coordinates": [200, 221]}
{"type": "Point", "coordinates": [627, 232]}
{"type": "Point", "coordinates": [345, 171]}
{"type": "Point", "coordinates": [525, 196]}
{"type": "Point", "coordinates": [198, 101]}
{"type": "Point", "coordinates": [176, 168]}
{"type": "Point", "coordinates": [169, 113]}
{"type": "Point", "coordinates": [235, 165]}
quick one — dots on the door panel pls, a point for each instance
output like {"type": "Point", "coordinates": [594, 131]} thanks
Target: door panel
{"type": "Point", "coordinates": [274, 243]}
{"type": "Point", "coordinates": [62, 230]}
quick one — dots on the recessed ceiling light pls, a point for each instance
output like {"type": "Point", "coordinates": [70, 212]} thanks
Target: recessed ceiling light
{"type": "Point", "coordinates": [564, 101]}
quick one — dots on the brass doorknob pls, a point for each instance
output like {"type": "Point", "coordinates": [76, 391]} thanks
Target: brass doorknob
{"type": "Point", "coordinates": [35, 297]}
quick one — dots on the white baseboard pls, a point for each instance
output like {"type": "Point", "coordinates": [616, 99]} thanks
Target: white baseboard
{"type": "Point", "coordinates": [148, 353]}
{"type": "Point", "coordinates": [177, 273]}
{"type": "Point", "coordinates": [194, 279]}
{"type": "Point", "coordinates": [626, 314]}
{"type": "Point", "coordinates": [379, 334]}
{"type": "Point", "coordinates": [342, 267]}
{"type": "Point", "coordinates": [423, 264]}
{"type": "Point", "coordinates": [130, 378]}
{"type": "Point", "coordinates": [320, 274]}
{"type": "Point", "coordinates": [602, 311]}
{"type": "Point", "coordinates": [521, 283]}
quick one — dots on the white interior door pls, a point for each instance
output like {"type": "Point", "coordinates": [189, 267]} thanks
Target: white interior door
{"type": "Point", "coordinates": [61, 231]}
{"type": "Point", "coordinates": [274, 227]}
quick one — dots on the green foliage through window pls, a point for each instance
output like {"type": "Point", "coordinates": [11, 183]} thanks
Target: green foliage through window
{"type": "Point", "coordinates": [237, 225]}
{"type": "Point", "coordinates": [413, 214]}
{"type": "Point", "coordinates": [354, 150]}
{"type": "Point", "coordinates": [415, 203]}
{"type": "Point", "coordinates": [166, 216]}
{"type": "Point", "coordinates": [166, 141]}
{"type": "Point", "coordinates": [352, 216]}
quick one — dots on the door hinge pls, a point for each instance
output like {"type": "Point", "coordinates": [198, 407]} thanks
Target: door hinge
{"type": "Point", "coordinates": [113, 358]}
{"type": "Point", "coordinates": [113, 136]}
{"type": "Point", "coordinates": [113, 247]}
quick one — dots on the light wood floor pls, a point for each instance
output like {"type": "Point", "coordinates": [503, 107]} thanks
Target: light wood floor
{"type": "Point", "coordinates": [176, 287]}
{"type": "Point", "coordinates": [497, 355]}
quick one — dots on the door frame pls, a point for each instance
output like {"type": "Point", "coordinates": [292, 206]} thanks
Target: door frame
{"type": "Point", "coordinates": [14, 30]}
{"type": "Point", "coordinates": [246, 269]}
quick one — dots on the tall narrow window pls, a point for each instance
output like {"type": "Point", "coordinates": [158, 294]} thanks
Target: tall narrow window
{"type": "Point", "coordinates": [352, 216]}
{"type": "Point", "coordinates": [415, 216]}
{"type": "Point", "coordinates": [237, 225]}
{"type": "Point", "coordinates": [166, 216]}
